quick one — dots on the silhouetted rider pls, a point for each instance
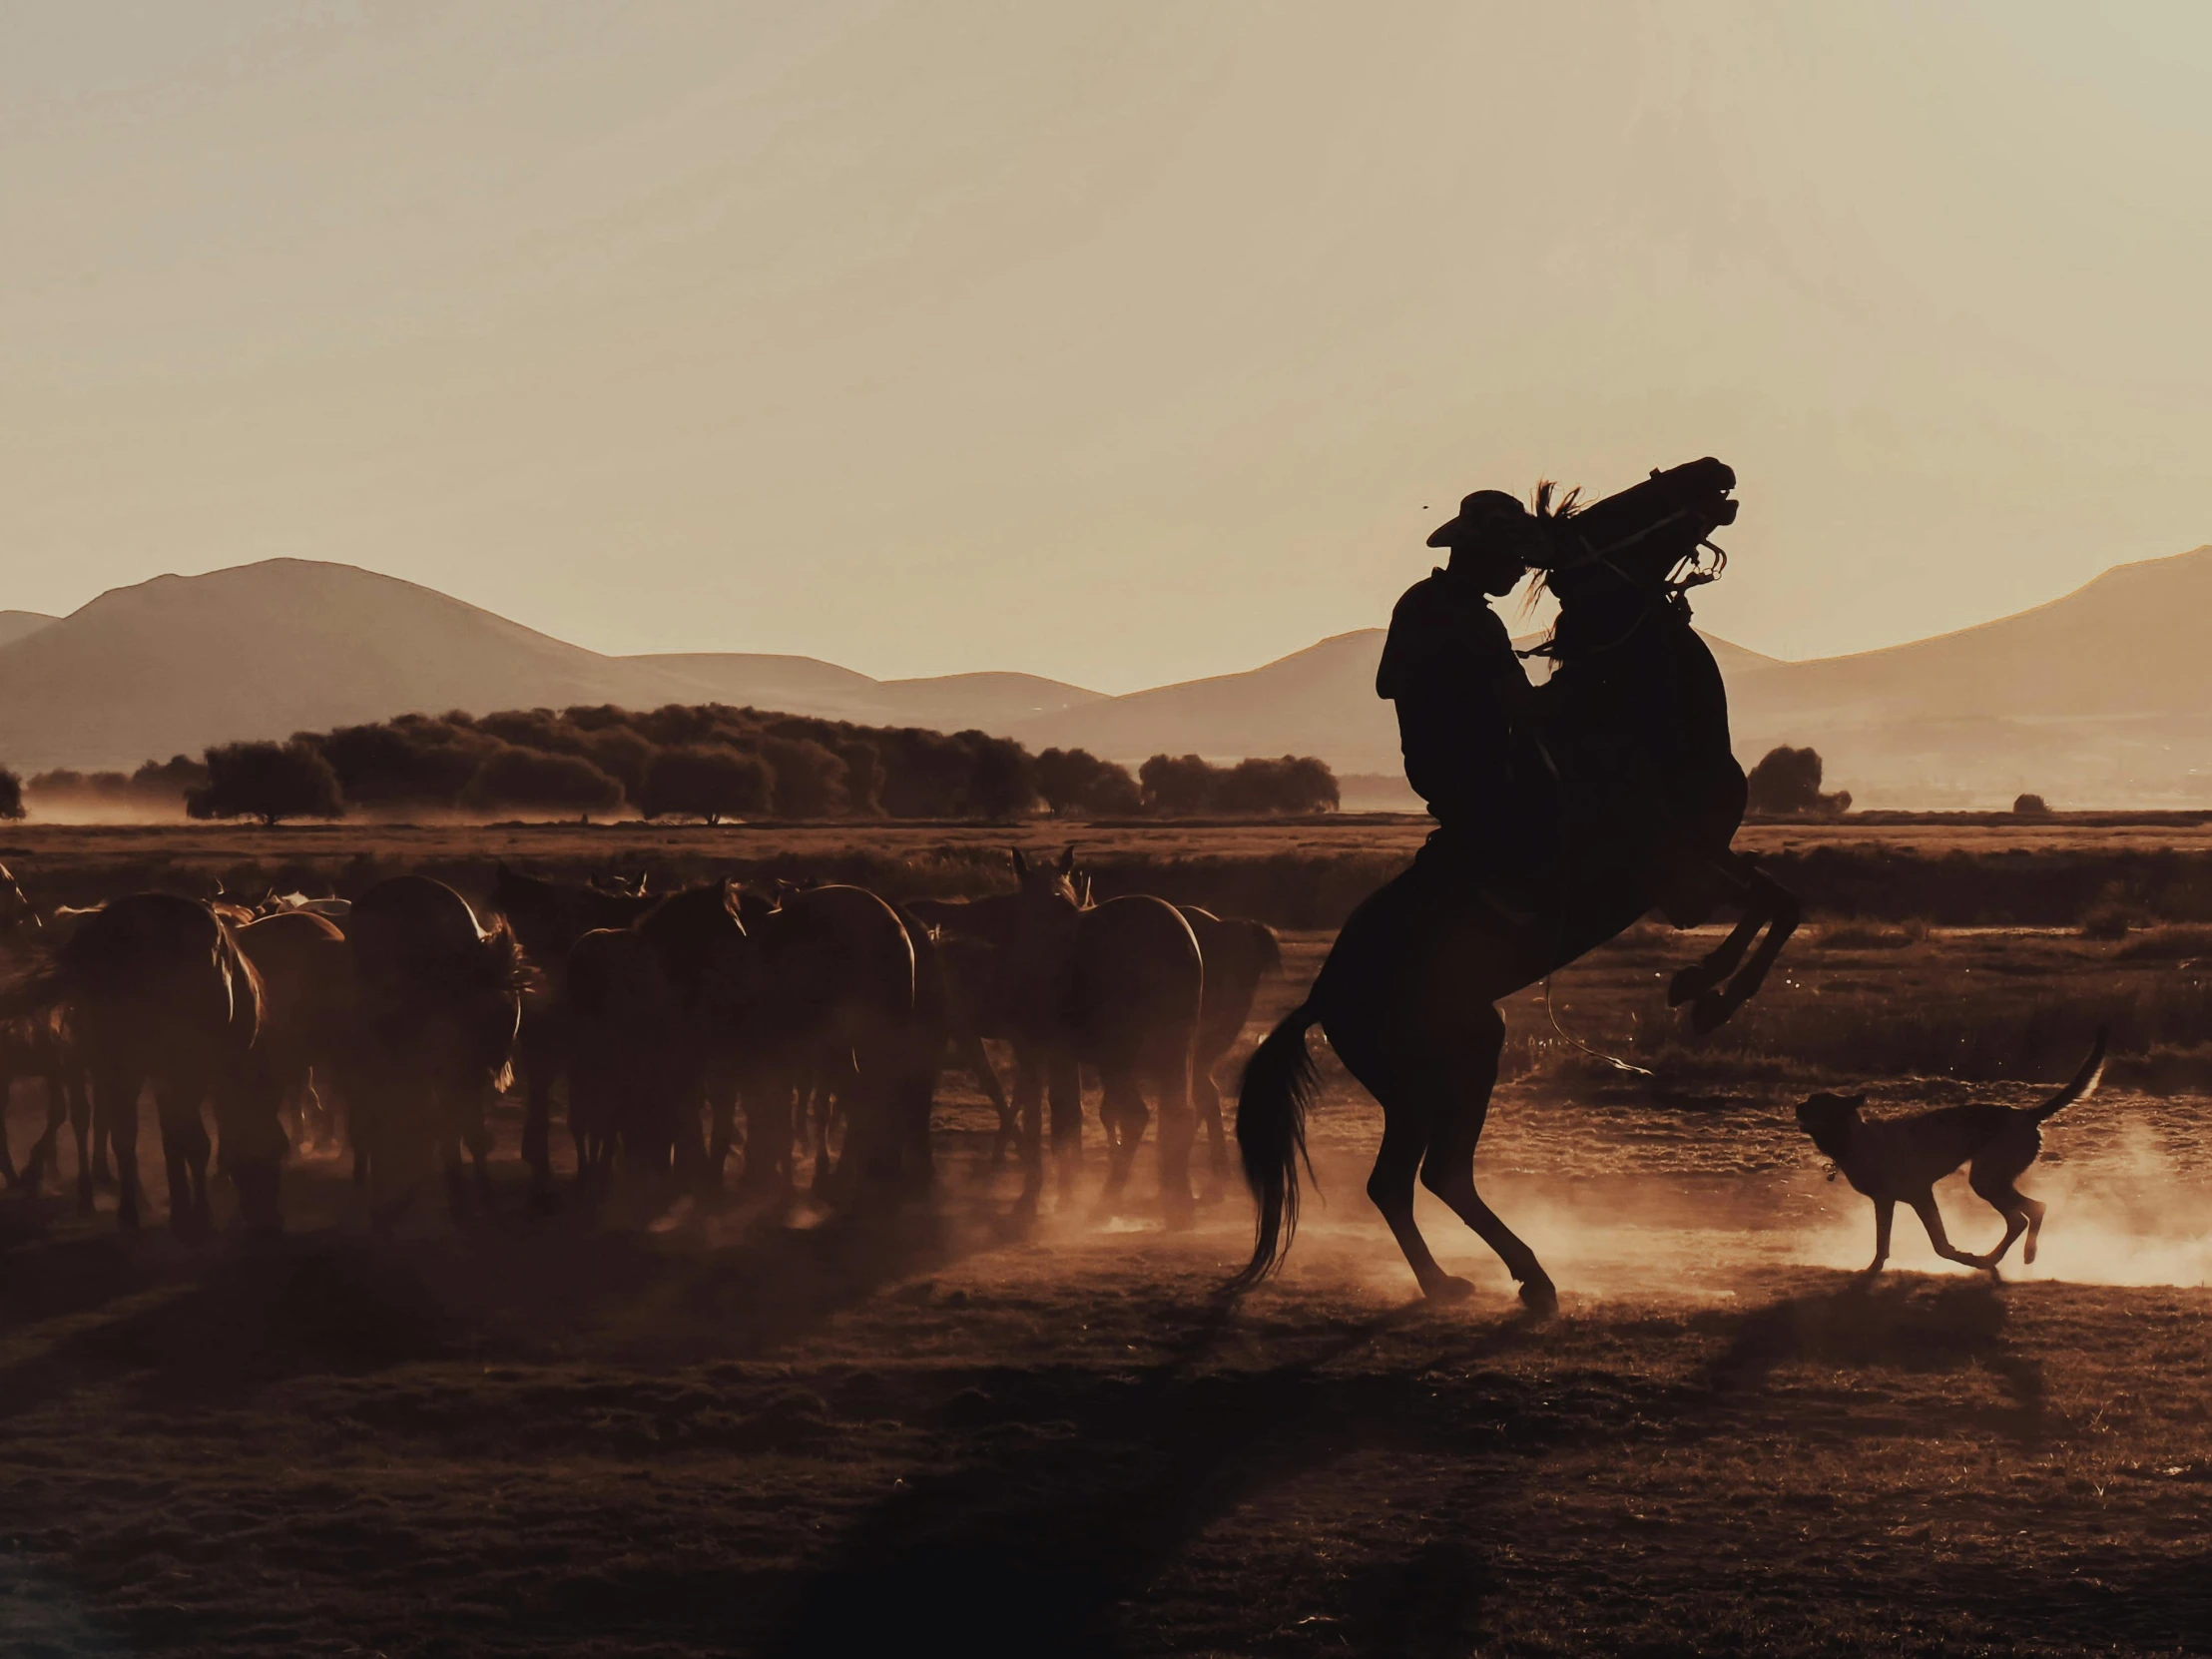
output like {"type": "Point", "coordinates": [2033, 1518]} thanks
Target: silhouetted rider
{"type": "Point", "coordinates": [1465, 705]}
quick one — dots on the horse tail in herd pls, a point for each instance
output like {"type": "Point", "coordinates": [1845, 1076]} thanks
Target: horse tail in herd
{"type": "Point", "coordinates": [1278, 1086]}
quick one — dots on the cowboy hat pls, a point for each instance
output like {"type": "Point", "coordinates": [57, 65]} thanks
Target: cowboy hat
{"type": "Point", "coordinates": [1479, 513]}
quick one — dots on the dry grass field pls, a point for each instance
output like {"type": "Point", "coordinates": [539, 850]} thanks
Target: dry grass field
{"type": "Point", "coordinates": [722, 1431]}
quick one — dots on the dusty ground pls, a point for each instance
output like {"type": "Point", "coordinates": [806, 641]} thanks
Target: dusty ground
{"type": "Point", "coordinates": [733, 1435]}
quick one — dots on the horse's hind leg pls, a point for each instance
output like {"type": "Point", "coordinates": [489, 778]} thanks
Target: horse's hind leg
{"type": "Point", "coordinates": [8, 1171]}
{"type": "Point", "coordinates": [476, 1132]}
{"type": "Point", "coordinates": [979, 1061]}
{"type": "Point", "coordinates": [185, 1149]}
{"type": "Point", "coordinates": [1461, 1084]}
{"type": "Point", "coordinates": [82, 1130]}
{"type": "Point", "coordinates": [1206, 1101]}
{"type": "Point", "coordinates": [1064, 1090]}
{"type": "Point", "coordinates": [1391, 1189]}
{"type": "Point", "coordinates": [115, 1092]}
{"type": "Point", "coordinates": [1122, 1108]}
{"type": "Point", "coordinates": [1171, 1074]}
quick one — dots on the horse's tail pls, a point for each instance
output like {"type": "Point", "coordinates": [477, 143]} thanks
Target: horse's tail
{"type": "Point", "coordinates": [2084, 1082]}
{"type": "Point", "coordinates": [1278, 1086]}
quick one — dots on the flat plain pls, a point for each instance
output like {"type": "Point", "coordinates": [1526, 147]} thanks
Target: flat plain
{"type": "Point", "coordinates": [719, 1431]}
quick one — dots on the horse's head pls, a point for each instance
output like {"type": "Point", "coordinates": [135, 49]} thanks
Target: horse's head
{"type": "Point", "coordinates": [1048, 887]}
{"type": "Point", "coordinates": [1650, 537]}
{"type": "Point", "coordinates": [1051, 904]}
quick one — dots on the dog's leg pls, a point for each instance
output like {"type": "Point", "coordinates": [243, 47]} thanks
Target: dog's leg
{"type": "Point", "coordinates": [2034, 1209]}
{"type": "Point", "coordinates": [1933, 1218]}
{"type": "Point", "coordinates": [1885, 1211]}
{"type": "Point", "coordinates": [1996, 1190]}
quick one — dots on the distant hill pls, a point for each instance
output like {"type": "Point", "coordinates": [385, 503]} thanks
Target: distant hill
{"type": "Point", "coordinates": [15, 625]}
{"type": "Point", "coordinates": [173, 664]}
{"type": "Point", "coordinates": [2100, 698]}
{"type": "Point", "coordinates": [264, 650]}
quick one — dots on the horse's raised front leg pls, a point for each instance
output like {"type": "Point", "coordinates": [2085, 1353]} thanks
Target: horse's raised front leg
{"type": "Point", "coordinates": [1777, 907]}
{"type": "Point", "coordinates": [1711, 969]}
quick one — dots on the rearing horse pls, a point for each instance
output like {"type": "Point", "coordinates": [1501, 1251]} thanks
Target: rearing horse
{"type": "Point", "coordinates": [1635, 722]}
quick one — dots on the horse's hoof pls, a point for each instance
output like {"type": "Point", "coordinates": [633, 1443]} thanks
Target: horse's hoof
{"type": "Point", "coordinates": [1689, 982]}
{"type": "Point", "coordinates": [1710, 1012]}
{"type": "Point", "coordinates": [1448, 1289]}
{"type": "Point", "coordinates": [1540, 1297]}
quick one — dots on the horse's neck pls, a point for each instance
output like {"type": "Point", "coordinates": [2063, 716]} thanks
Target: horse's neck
{"type": "Point", "coordinates": [1634, 667]}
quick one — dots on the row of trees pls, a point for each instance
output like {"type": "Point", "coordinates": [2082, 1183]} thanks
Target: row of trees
{"type": "Point", "coordinates": [707, 762]}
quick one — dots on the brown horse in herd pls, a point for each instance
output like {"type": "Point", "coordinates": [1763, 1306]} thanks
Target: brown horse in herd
{"type": "Point", "coordinates": [155, 990]}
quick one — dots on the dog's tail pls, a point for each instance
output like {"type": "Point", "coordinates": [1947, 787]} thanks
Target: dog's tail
{"type": "Point", "coordinates": [2084, 1082]}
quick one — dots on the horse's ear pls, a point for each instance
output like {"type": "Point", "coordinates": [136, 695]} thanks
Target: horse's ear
{"type": "Point", "coordinates": [1021, 864]}
{"type": "Point", "coordinates": [1068, 861]}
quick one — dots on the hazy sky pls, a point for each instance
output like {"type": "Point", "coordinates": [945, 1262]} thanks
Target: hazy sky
{"type": "Point", "coordinates": [1120, 343]}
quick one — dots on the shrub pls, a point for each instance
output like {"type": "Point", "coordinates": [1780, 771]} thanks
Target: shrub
{"type": "Point", "coordinates": [1292, 784]}
{"type": "Point", "coordinates": [2031, 806]}
{"type": "Point", "coordinates": [864, 777]}
{"type": "Point", "coordinates": [414, 759]}
{"type": "Point", "coordinates": [170, 780]}
{"type": "Point", "coordinates": [11, 794]}
{"type": "Point", "coordinates": [1003, 780]}
{"type": "Point", "coordinates": [1177, 785]}
{"type": "Point", "coordinates": [1076, 780]}
{"type": "Point", "coordinates": [268, 781]}
{"type": "Point", "coordinates": [1788, 781]}
{"type": "Point", "coordinates": [697, 780]}
{"type": "Point", "coordinates": [809, 779]}
{"type": "Point", "coordinates": [531, 778]}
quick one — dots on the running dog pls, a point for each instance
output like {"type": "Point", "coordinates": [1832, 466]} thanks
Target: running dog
{"type": "Point", "coordinates": [1899, 1161]}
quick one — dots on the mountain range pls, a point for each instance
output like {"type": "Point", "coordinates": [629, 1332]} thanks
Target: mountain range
{"type": "Point", "coordinates": [2103, 696]}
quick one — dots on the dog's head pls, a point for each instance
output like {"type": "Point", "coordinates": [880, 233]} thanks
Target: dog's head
{"type": "Point", "coordinates": [1830, 1119]}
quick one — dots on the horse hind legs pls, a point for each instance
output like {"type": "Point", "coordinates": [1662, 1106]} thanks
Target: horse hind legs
{"type": "Point", "coordinates": [1391, 1190]}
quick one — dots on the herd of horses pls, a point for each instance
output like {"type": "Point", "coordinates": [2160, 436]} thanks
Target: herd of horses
{"type": "Point", "coordinates": [805, 1026]}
